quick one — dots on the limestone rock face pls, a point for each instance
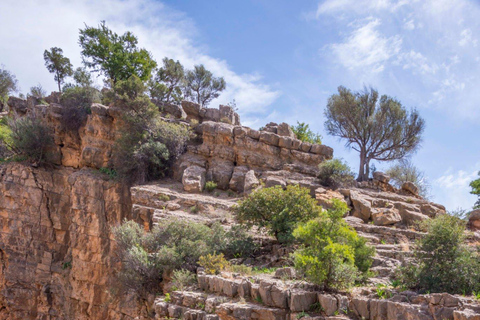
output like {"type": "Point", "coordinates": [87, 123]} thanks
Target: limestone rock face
{"type": "Point", "coordinates": [251, 181]}
{"type": "Point", "coordinates": [56, 258]}
{"type": "Point", "coordinates": [380, 176]}
{"type": "Point", "coordinates": [474, 219]}
{"type": "Point", "coordinates": [193, 179]}
{"type": "Point", "coordinates": [410, 187]}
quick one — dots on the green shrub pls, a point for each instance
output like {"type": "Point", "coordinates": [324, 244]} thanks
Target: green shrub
{"type": "Point", "coordinates": [29, 137]}
{"type": "Point", "coordinates": [442, 262]}
{"type": "Point", "coordinates": [213, 263]}
{"type": "Point", "coordinates": [5, 140]}
{"type": "Point", "coordinates": [111, 173]}
{"type": "Point", "coordinates": [331, 253]}
{"type": "Point", "coordinates": [303, 132]}
{"type": "Point", "coordinates": [182, 279]}
{"type": "Point", "coordinates": [239, 243]}
{"type": "Point", "coordinates": [210, 186]}
{"type": "Point", "coordinates": [241, 268]}
{"type": "Point", "coordinates": [335, 173]}
{"type": "Point", "coordinates": [77, 102]}
{"type": "Point", "coordinates": [37, 92]}
{"type": "Point", "coordinates": [147, 145]}
{"type": "Point", "coordinates": [278, 210]}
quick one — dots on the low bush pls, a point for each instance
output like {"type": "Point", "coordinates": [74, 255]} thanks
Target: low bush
{"type": "Point", "coordinates": [331, 252]}
{"type": "Point", "coordinates": [77, 102]}
{"type": "Point", "coordinates": [173, 245]}
{"type": "Point", "coordinates": [335, 173]}
{"type": "Point", "coordinates": [278, 210]}
{"type": "Point", "coordinates": [303, 133]}
{"type": "Point", "coordinates": [29, 137]}
{"type": "Point", "coordinates": [213, 263]}
{"type": "Point", "coordinates": [442, 261]}
{"type": "Point", "coordinates": [183, 279]}
{"type": "Point", "coordinates": [210, 186]}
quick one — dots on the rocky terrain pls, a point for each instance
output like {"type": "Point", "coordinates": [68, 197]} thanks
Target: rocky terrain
{"type": "Point", "coordinates": [57, 249]}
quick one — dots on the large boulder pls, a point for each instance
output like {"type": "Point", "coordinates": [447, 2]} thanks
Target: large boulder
{"type": "Point", "coordinates": [175, 110]}
{"type": "Point", "coordinates": [362, 205]}
{"type": "Point", "coordinates": [193, 179]}
{"type": "Point", "coordinates": [474, 219]}
{"type": "Point", "coordinates": [410, 187]}
{"type": "Point", "coordinates": [324, 197]}
{"type": "Point", "coordinates": [284, 129]}
{"type": "Point", "coordinates": [237, 181]}
{"type": "Point", "coordinates": [380, 176]}
{"type": "Point", "coordinates": [250, 182]}
{"type": "Point", "coordinates": [386, 217]}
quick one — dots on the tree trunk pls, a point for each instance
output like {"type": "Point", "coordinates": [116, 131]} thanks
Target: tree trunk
{"type": "Point", "coordinates": [367, 169]}
{"type": "Point", "coordinates": [59, 88]}
{"type": "Point", "coordinates": [361, 171]}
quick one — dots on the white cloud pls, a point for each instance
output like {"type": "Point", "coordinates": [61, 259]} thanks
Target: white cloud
{"type": "Point", "coordinates": [359, 6]}
{"type": "Point", "coordinates": [409, 25]}
{"type": "Point", "coordinates": [417, 61]}
{"type": "Point", "coordinates": [453, 189]}
{"type": "Point", "coordinates": [367, 47]}
{"type": "Point", "coordinates": [163, 31]}
{"type": "Point", "coordinates": [466, 38]}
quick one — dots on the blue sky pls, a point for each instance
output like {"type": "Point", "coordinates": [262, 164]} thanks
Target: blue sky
{"type": "Point", "coordinates": [283, 59]}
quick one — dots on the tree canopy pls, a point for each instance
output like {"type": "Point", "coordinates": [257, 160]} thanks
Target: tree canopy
{"type": "Point", "coordinates": [201, 86]}
{"type": "Point", "coordinates": [168, 82]}
{"type": "Point", "coordinates": [8, 84]}
{"type": "Point", "coordinates": [475, 185]}
{"type": "Point", "coordinates": [58, 64]}
{"type": "Point", "coordinates": [116, 56]}
{"type": "Point", "coordinates": [378, 127]}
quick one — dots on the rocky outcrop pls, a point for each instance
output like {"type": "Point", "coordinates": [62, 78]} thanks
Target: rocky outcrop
{"type": "Point", "coordinates": [224, 114]}
{"type": "Point", "coordinates": [474, 220]}
{"type": "Point", "coordinates": [226, 147]}
{"type": "Point", "coordinates": [90, 146]}
{"type": "Point", "coordinates": [388, 208]}
{"type": "Point", "coordinates": [56, 257]}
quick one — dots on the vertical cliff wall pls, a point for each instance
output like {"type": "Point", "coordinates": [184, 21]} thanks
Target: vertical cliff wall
{"type": "Point", "coordinates": [56, 259]}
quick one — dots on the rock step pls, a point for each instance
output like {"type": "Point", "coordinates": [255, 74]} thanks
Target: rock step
{"type": "Point", "coordinates": [387, 234]}
{"type": "Point", "coordinates": [394, 254]}
{"type": "Point", "coordinates": [159, 197]}
{"type": "Point", "coordinates": [160, 215]}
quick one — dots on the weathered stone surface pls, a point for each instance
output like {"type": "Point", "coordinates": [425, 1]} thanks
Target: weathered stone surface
{"type": "Point", "coordinates": [410, 187]}
{"type": "Point", "coordinates": [474, 219]}
{"type": "Point", "coordinates": [191, 109]}
{"type": "Point", "coordinates": [386, 217]}
{"type": "Point", "coordinates": [175, 110]}
{"type": "Point", "coordinates": [56, 244]}
{"type": "Point", "coordinates": [251, 182]}
{"type": "Point", "coordinates": [380, 176]}
{"type": "Point", "coordinates": [284, 129]}
{"type": "Point", "coordinates": [329, 303]}
{"type": "Point", "coordinates": [362, 205]}
{"type": "Point", "coordinates": [302, 300]}
{"type": "Point", "coordinates": [324, 197]}
{"type": "Point", "coordinates": [288, 273]}
{"type": "Point", "coordinates": [220, 171]}
{"type": "Point", "coordinates": [237, 182]}
{"type": "Point", "coordinates": [193, 179]}
{"type": "Point", "coordinates": [466, 314]}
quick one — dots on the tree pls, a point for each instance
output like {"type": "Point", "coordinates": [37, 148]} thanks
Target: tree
{"type": "Point", "coordinates": [303, 132]}
{"type": "Point", "coordinates": [167, 85]}
{"type": "Point", "coordinates": [8, 84]}
{"type": "Point", "coordinates": [405, 171]}
{"type": "Point", "coordinates": [201, 86]}
{"type": "Point", "coordinates": [117, 57]}
{"type": "Point", "coordinates": [58, 64]}
{"type": "Point", "coordinates": [475, 185]}
{"type": "Point", "coordinates": [379, 128]}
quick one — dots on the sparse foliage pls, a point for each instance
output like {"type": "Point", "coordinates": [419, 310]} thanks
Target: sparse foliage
{"type": "Point", "coordinates": [8, 85]}
{"type": "Point", "coordinates": [475, 185]}
{"type": "Point", "coordinates": [335, 173]}
{"type": "Point", "coordinates": [379, 128]}
{"type": "Point", "coordinates": [213, 263]}
{"type": "Point", "coordinates": [166, 86]}
{"type": "Point", "coordinates": [77, 102]}
{"type": "Point", "coordinates": [304, 133]}
{"type": "Point", "coordinates": [116, 56]}
{"type": "Point", "coordinates": [30, 138]}
{"type": "Point", "coordinates": [58, 64]}
{"type": "Point", "coordinates": [37, 92]}
{"type": "Point", "coordinates": [201, 86]}
{"type": "Point", "coordinates": [278, 210]}
{"type": "Point", "coordinates": [405, 171]}
{"type": "Point", "coordinates": [332, 254]}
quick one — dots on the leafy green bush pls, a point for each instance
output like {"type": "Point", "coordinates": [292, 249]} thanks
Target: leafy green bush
{"type": "Point", "coordinates": [335, 173]}
{"type": "Point", "coordinates": [147, 145]}
{"type": "Point", "coordinates": [5, 139]}
{"type": "Point", "coordinates": [239, 243]}
{"type": "Point", "coordinates": [303, 132]}
{"type": "Point", "coordinates": [77, 102]}
{"type": "Point", "coordinates": [331, 253]}
{"type": "Point", "coordinates": [278, 210]}
{"type": "Point", "coordinates": [213, 263]}
{"type": "Point", "coordinates": [29, 137]}
{"type": "Point", "coordinates": [442, 262]}
{"type": "Point", "coordinates": [210, 186]}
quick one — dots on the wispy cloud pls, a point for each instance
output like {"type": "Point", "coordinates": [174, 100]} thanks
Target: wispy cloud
{"type": "Point", "coordinates": [367, 47]}
{"type": "Point", "coordinates": [161, 29]}
{"type": "Point", "coordinates": [453, 188]}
